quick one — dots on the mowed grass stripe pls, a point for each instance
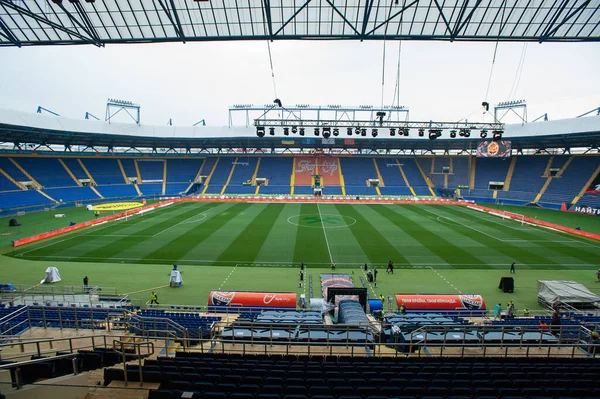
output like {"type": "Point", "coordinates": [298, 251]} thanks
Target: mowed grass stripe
{"type": "Point", "coordinates": [410, 248]}
{"type": "Point", "coordinates": [249, 241]}
{"type": "Point", "coordinates": [70, 241]}
{"type": "Point", "coordinates": [118, 245]}
{"type": "Point", "coordinates": [578, 250]}
{"type": "Point", "coordinates": [374, 245]}
{"type": "Point", "coordinates": [532, 241]}
{"type": "Point", "coordinates": [511, 251]}
{"type": "Point", "coordinates": [181, 244]}
{"type": "Point", "coordinates": [430, 239]}
{"type": "Point", "coordinates": [280, 244]}
{"type": "Point", "coordinates": [310, 242]}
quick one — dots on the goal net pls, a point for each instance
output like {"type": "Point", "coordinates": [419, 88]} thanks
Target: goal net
{"type": "Point", "coordinates": [517, 217]}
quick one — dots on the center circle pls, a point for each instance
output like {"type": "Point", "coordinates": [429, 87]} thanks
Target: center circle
{"type": "Point", "coordinates": [324, 220]}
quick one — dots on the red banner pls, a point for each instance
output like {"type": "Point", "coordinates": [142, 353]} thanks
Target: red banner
{"type": "Point", "coordinates": [252, 299]}
{"type": "Point", "coordinates": [440, 302]}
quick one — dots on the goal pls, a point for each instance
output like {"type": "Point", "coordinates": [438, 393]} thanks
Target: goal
{"type": "Point", "coordinates": [513, 216]}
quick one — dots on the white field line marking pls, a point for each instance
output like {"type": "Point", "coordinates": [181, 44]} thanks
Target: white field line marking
{"type": "Point", "coordinates": [241, 262]}
{"type": "Point", "coordinates": [464, 225]}
{"type": "Point", "coordinates": [324, 233]}
{"type": "Point", "coordinates": [227, 278]}
{"type": "Point", "coordinates": [369, 284]}
{"type": "Point", "coordinates": [444, 278]}
{"type": "Point", "coordinates": [176, 224]}
{"type": "Point", "coordinates": [532, 226]}
{"type": "Point", "coordinates": [80, 233]}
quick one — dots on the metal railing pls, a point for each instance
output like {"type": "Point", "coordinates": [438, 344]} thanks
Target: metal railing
{"type": "Point", "coordinates": [17, 366]}
{"type": "Point", "coordinates": [121, 347]}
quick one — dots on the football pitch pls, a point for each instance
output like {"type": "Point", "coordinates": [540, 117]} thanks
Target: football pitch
{"type": "Point", "coordinates": [258, 246]}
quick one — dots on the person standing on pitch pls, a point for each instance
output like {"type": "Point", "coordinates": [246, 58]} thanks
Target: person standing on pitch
{"type": "Point", "coordinates": [85, 281]}
{"type": "Point", "coordinates": [598, 276]}
{"type": "Point", "coordinates": [375, 274]}
{"type": "Point", "coordinates": [512, 268]}
{"type": "Point", "coordinates": [154, 298]}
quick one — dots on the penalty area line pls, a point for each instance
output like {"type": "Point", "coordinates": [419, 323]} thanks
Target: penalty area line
{"type": "Point", "coordinates": [147, 289]}
{"type": "Point", "coordinates": [227, 278]}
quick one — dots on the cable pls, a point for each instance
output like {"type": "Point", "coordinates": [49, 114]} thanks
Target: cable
{"type": "Point", "coordinates": [383, 74]}
{"type": "Point", "coordinates": [513, 89]}
{"type": "Point", "coordinates": [272, 70]}
{"type": "Point", "coordinates": [495, 51]}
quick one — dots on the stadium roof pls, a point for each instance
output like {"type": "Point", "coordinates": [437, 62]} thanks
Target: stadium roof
{"type": "Point", "coordinates": [20, 128]}
{"type": "Point", "coordinates": [40, 22]}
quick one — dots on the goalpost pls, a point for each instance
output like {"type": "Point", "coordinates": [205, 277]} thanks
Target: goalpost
{"type": "Point", "coordinates": [517, 217]}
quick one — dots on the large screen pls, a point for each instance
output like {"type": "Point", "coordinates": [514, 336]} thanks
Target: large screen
{"type": "Point", "coordinates": [491, 148]}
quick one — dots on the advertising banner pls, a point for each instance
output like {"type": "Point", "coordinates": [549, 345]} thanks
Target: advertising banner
{"type": "Point", "coordinates": [440, 302]}
{"type": "Point", "coordinates": [491, 148]}
{"type": "Point", "coordinates": [588, 210]}
{"type": "Point", "coordinates": [252, 299]}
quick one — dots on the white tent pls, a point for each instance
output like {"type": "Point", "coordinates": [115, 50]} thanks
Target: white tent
{"type": "Point", "coordinates": [552, 293]}
{"type": "Point", "coordinates": [176, 280]}
{"type": "Point", "coordinates": [52, 276]}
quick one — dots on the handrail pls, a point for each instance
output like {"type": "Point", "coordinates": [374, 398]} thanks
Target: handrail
{"type": "Point", "coordinates": [10, 315]}
{"type": "Point", "coordinates": [17, 365]}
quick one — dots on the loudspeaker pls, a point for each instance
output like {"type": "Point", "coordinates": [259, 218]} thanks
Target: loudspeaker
{"type": "Point", "coordinates": [507, 284]}
{"type": "Point", "coordinates": [13, 223]}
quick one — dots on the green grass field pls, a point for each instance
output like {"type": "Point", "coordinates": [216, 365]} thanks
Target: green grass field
{"type": "Point", "coordinates": [245, 246]}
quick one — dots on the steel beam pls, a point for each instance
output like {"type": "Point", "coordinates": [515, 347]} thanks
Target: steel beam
{"type": "Point", "coordinates": [367, 13]}
{"type": "Point", "coordinates": [26, 12]}
{"type": "Point", "coordinates": [386, 124]}
{"type": "Point", "coordinates": [267, 13]}
{"type": "Point", "coordinates": [293, 16]}
{"type": "Point", "coordinates": [552, 30]}
{"type": "Point", "coordinates": [85, 26]}
{"type": "Point", "coordinates": [176, 23]}
{"type": "Point", "coordinates": [393, 16]}
{"type": "Point", "coordinates": [8, 34]}
{"type": "Point", "coordinates": [443, 17]}
{"type": "Point", "coordinates": [338, 12]}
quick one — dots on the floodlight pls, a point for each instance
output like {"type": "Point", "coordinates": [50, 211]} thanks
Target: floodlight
{"type": "Point", "coordinates": [363, 132]}
{"type": "Point", "coordinates": [392, 132]}
{"type": "Point", "coordinates": [483, 134]}
{"type": "Point", "coordinates": [286, 131]}
{"type": "Point", "coordinates": [464, 133]}
{"type": "Point", "coordinates": [316, 131]}
{"type": "Point", "coordinates": [497, 135]}
{"type": "Point", "coordinates": [421, 132]}
{"type": "Point", "coordinates": [301, 131]}
{"type": "Point", "coordinates": [326, 132]}
{"type": "Point", "coordinates": [349, 131]}
{"type": "Point", "coordinates": [434, 133]}
{"type": "Point", "coordinates": [260, 131]}
{"type": "Point", "coordinates": [374, 132]}
{"type": "Point", "coordinates": [272, 131]}
{"type": "Point", "coordinates": [294, 129]}
{"type": "Point", "coordinates": [357, 131]}
{"type": "Point", "coordinates": [453, 134]}
{"type": "Point", "coordinates": [336, 132]}
{"type": "Point", "coordinates": [406, 131]}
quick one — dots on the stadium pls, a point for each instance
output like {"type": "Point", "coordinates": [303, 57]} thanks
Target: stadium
{"type": "Point", "coordinates": [295, 249]}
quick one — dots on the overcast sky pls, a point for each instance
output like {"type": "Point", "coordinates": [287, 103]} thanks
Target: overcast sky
{"type": "Point", "coordinates": [194, 81]}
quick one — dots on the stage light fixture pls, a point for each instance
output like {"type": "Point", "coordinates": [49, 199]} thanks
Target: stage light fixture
{"type": "Point", "coordinates": [336, 132]}
{"type": "Point", "coordinates": [464, 133]}
{"type": "Point", "coordinates": [316, 131]}
{"type": "Point", "coordinates": [421, 132]}
{"type": "Point", "coordinates": [392, 132]}
{"type": "Point", "coordinates": [374, 132]}
{"type": "Point", "coordinates": [483, 134]}
{"type": "Point", "coordinates": [497, 135]}
{"type": "Point", "coordinates": [406, 132]}
{"type": "Point", "coordinates": [326, 132]}
{"type": "Point", "coordinates": [349, 131]}
{"type": "Point", "coordinates": [363, 132]}
{"type": "Point", "coordinates": [434, 133]}
{"type": "Point", "coordinates": [357, 131]}
{"type": "Point", "coordinates": [272, 131]}
{"type": "Point", "coordinates": [294, 129]}
{"type": "Point", "coordinates": [260, 131]}
{"type": "Point", "coordinates": [453, 134]}
{"type": "Point", "coordinates": [301, 132]}
{"type": "Point", "coordinates": [286, 131]}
